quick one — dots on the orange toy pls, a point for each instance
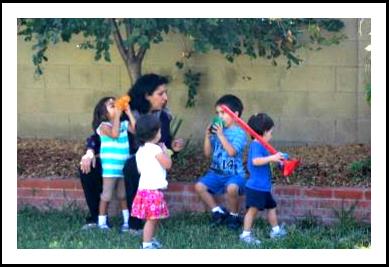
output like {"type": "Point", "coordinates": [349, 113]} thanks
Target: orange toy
{"type": "Point", "coordinates": [122, 102]}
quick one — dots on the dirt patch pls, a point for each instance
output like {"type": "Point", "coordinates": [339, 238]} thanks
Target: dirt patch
{"type": "Point", "coordinates": [324, 165]}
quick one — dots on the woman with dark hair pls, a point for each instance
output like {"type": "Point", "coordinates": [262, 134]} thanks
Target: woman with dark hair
{"type": "Point", "coordinates": [148, 96]}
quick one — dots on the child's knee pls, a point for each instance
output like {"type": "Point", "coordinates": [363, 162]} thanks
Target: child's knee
{"type": "Point", "coordinates": [106, 196]}
{"type": "Point", "coordinates": [233, 190]}
{"type": "Point", "coordinates": [199, 187]}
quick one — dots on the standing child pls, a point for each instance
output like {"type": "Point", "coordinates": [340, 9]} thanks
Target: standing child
{"type": "Point", "coordinates": [113, 153]}
{"type": "Point", "coordinates": [258, 186]}
{"type": "Point", "coordinates": [225, 144]}
{"type": "Point", "coordinates": [152, 160]}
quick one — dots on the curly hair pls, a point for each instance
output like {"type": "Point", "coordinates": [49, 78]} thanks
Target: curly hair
{"type": "Point", "coordinates": [145, 85]}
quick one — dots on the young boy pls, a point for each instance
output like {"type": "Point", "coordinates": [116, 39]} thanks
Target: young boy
{"type": "Point", "coordinates": [258, 186]}
{"type": "Point", "coordinates": [225, 144]}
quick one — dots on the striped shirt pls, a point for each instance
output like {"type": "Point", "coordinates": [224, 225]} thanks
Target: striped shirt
{"type": "Point", "coordinates": [114, 151]}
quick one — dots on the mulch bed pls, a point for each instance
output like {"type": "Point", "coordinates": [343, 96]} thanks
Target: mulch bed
{"type": "Point", "coordinates": [322, 165]}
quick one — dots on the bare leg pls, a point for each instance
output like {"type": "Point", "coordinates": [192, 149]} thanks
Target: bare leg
{"type": "Point", "coordinates": [121, 194]}
{"type": "Point", "coordinates": [103, 207]}
{"type": "Point", "coordinates": [105, 197]}
{"type": "Point", "coordinates": [205, 196]}
{"type": "Point", "coordinates": [149, 230]}
{"type": "Point", "coordinates": [123, 204]}
{"type": "Point", "coordinates": [272, 217]}
{"type": "Point", "coordinates": [233, 198]}
{"type": "Point", "coordinates": [249, 218]}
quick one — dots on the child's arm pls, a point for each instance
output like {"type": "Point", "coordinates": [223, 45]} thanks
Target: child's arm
{"type": "Point", "coordinates": [207, 142]}
{"type": "Point", "coordinates": [266, 160]}
{"type": "Point", "coordinates": [132, 120]}
{"type": "Point", "coordinates": [164, 158]}
{"type": "Point", "coordinates": [114, 130]}
{"type": "Point", "coordinates": [223, 140]}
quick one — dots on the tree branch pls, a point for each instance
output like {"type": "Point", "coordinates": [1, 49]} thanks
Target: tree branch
{"type": "Point", "coordinates": [131, 51]}
{"type": "Point", "coordinates": [119, 41]}
{"type": "Point", "coordinates": [141, 53]}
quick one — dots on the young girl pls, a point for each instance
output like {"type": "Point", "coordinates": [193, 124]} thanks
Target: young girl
{"type": "Point", "coordinates": [152, 160]}
{"type": "Point", "coordinates": [113, 153]}
{"type": "Point", "coordinates": [258, 186]}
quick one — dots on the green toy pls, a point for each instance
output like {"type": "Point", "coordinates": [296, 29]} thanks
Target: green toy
{"type": "Point", "coordinates": [217, 121]}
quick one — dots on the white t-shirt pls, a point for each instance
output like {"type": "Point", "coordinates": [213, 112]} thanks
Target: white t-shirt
{"type": "Point", "coordinates": [152, 174]}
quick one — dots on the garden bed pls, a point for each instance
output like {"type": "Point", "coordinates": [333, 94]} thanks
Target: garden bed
{"type": "Point", "coordinates": [322, 165]}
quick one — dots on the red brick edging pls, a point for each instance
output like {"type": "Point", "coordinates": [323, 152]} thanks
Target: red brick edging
{"type": "Point", "coordinates": [293, 201]}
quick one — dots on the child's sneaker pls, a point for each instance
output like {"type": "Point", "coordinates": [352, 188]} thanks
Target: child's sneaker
{"type": "Point", "coordinates": [250, 240]}
{"type": "Point", "coordinates": [104, 227]}
{"type": "Point", "coordinates": [151, 246]}
{"type": "Point", "coordinates": [156, 242]}
{"type": "Point", "coordinates": [280, 233]}
{"type": "Point", "coordinates": [124, 228]}
{"type": "Point", "coordinates": [219, 218]}
{"type": "Point", "coordinates": [89, 226]}
{"type": "Point", "coordinates": [234, 222]}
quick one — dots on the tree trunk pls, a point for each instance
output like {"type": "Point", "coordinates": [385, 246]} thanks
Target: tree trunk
{"type": "Point", "coordinates": [134, 70]}
{"type": "Point", "coordinates": [132, 60]}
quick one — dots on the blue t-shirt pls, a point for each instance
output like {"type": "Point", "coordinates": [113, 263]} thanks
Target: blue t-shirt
{"type": "Point", "coordinates": [260, 176]}
{"type": "Point", "coordinates": [224, 164]}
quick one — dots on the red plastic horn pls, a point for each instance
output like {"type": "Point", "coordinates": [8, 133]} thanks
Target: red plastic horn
{"type": "Point", "coordinates": [288, 165]}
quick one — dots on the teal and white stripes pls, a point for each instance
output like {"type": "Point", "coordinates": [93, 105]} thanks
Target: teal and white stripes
{"type": "Point", "coordinates": [114, 151]}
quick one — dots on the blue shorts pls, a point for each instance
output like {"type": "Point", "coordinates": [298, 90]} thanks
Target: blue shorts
{"type": "Point", "coordinates": [217, 184]}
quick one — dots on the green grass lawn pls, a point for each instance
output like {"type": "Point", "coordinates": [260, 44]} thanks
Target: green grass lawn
{"type": "Point", "coordinates": [62, 229]}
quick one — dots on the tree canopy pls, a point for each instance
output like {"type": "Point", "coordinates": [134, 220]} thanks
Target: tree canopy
{"type": "Point", "coordinates": [253, 37]}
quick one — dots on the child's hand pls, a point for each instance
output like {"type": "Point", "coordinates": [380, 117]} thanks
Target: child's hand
{"type": "Point", "coordinates": [277, 157]}
{"type": "Point", "coordinates": [127, 109]}
{"type": "Point", "coordinates": [118, 112]}
{"type": "Point", "coordinates": [208, 130]}
{"type": "Point", "coordinates": [218, 130]}
{"type": "Point", "coordinates": [163, 146]}
{"type": "Point", "coordinates": [178, 144]}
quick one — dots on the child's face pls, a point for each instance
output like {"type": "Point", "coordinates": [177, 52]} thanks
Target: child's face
{"type": "Point", "coordinates": [110, 105]}
{"type": "Point", "coordinates": [267, 135]}
{"type": "Point", "coordinates": [226, 118]}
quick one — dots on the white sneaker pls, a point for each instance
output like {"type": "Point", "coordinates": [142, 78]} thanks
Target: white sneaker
{"type": "Point", "coordinates": [250, 239]}
{"type": "Point", "coordinates": [124, 228]}
{"type": "Point", "coordinates": [152, 246]}
{"type": "Point", "coordinates": [280, 233]}
{"type": "Point", "coordinates": [89, 226]}
{"type": "Point", "coordinates": [156, 242]}
{"type": "Point", "coordinates": [103, 227]}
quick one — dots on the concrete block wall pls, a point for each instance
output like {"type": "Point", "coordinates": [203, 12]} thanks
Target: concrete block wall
{"type": "Point", "coordinates": [321, 101]}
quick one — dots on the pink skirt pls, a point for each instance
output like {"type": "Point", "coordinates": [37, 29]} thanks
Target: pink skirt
{"type": "Point", "coordinates": [149, 204]}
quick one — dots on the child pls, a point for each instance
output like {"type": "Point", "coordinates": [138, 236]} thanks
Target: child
{"type": "Point", "coordinates": [152, 160]}
{"type": "Point", "coordinates": [258, 186]}
{"type": "Point", "coordinates": [226, 174]}
{"type": "Point", "coordinates": [113, 153]}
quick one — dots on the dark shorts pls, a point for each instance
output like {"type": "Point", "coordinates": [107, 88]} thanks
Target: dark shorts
{"type": "Point", "coordinates": [259, 199]}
